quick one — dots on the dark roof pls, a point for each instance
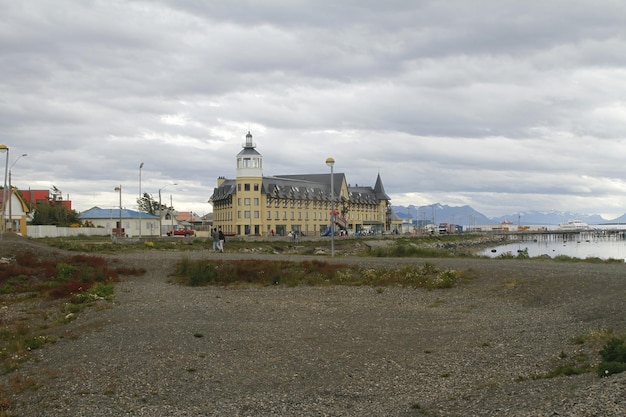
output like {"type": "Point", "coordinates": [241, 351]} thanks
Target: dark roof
{"type": "Point", "coordinates": [223, 191]}
{"type": "Point", "coordinates": [248, 151]}
{"type": "Point", "coordinates": [380, 190]}
{"type": "Point", "coordinates": [308, 187]}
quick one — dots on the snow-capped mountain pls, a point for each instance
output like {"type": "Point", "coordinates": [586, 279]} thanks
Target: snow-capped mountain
{"type": "Point", "coordinates": [466, 215]}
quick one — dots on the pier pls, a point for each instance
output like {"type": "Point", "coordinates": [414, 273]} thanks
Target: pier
{"type": "Point", "coordinates": [580, 235]}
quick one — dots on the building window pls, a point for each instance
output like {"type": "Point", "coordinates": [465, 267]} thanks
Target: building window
{"type": "Point", "coordinates": [246, 187]}
{"type": "Point", "coordinates": [269, 215]}
{"type": "Point", "coordinates": [277, 217]}
{"type": "Point", "coordinates": [256, 187]}
{"type": "Point", "coordinates": [238, 187]}
{"type": "Point", "coordinates": [256, 214]}
{"type": "Point", "coordinates": [284, 215]}
{"type": "Point", "coordinates": [256, 201]}
{"type": "Point", "coordinates": [246, 201]}
{"type": "Point", "coordinates": [246, 214]}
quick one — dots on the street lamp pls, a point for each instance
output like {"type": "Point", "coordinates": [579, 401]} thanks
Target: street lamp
{"type": "Point", "coordinates": [140, 166]}
{"type": "Point", "coordinates": [331, 162]}
{"type": "Point", "coordinates": [11, 191]}
{"type": "Point", "coordinates": [4, 148]}
{"type": "Point", "coordinates": [119, 227]}
{"type": "Point", "coordinates": [161, 211]}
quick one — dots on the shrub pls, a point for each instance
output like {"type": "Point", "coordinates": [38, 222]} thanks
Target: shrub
{"type": "Point", "coordinates": [506, 255]}
{"type": "Point", "coordinates": [565, 370]}
{"type": "Point", "coordinates": [65, 271]}
{"type": "Point", "coordinates": [523, 254]}
{"type": "Point", "coordinates": [195, 273]}
{"type": "Point", "coordinates": [614, 350]}
{"type": "Point", "coordinates": [102, 290]}
{"type": "Point", "coordinates": [610, 368]}
{"type": "Point", "coordinates": [613, 357]}
{"type": "Point", "coordinates": [445, 279]}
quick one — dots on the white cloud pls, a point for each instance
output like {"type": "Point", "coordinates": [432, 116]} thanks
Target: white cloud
{"type": "Point", "coordinates": [504, 106]}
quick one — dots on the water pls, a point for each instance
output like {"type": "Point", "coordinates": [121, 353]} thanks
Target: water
{"type": "Point", "coordinates": [578, 245]}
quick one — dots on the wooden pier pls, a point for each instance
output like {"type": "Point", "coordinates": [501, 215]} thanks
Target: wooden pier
{"type": "Point", "coordinates": [578, 235]}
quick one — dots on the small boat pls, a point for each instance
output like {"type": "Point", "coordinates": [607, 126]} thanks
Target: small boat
{"type": "Point", "coordinates": [573, 225]}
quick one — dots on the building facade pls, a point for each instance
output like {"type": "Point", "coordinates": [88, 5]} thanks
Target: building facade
{"type": "Point", "coordinates": [14, 212]}
{"type": "Point", "coordinates": [133, 223]}
{"type": "Point", "coordinates": [252, 204]}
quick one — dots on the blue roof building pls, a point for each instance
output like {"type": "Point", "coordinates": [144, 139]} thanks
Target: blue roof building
{"type": "Point", "coordinates": [134, 222]}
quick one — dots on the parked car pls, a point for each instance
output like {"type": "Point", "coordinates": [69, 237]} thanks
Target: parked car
{"type": "Point", "coordinates": [181, 232]}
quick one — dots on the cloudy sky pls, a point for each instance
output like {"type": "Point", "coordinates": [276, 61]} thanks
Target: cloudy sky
{"type": "Point", "coordinates": [506, 106]}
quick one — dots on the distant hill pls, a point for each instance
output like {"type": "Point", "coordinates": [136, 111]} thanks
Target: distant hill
{"type": "Point", "coordinates": [440, 213]}
{"type": "Point", "coordinates": [464, 215]}
{"type": "Point", "coordinates": [550, 217]}
{"type": "Point", "coordinates": [621, 219]}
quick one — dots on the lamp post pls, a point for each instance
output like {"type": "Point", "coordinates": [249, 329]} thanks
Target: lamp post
{"type": "Point", "coordinates": [140, 167]}
{"type": "Point", "coordinates": [119, 228]}
{"type": "Point", "coordinates": [331, 162]}
{"type": "Point", "coordinates": [161, 210]}
{"type": "Point", "coordinates": [11, 191]}
{"type": "Point", "coordinates": [4, 148]}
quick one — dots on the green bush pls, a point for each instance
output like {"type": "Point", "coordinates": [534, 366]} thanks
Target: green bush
{"type": "Point", "coordinates": [610, 368]}
{"type": "Point", "coordinates": [614, 350]}
{"type": "Point", "coordinates": [566, 370]}
{"type": "Point", "coordinates": [613, 357]}
{"type": "Point", "coordinates": [65, 271]}
{"type": "Point", "coordinates": [265, 273]}
{"type": "Point", "coordinates": [102, 290]}
{"type": "Point", "coordinates": [523, 254]}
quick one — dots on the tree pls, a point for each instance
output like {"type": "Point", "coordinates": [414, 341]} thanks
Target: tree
{"type": "Point", "coordinates": [147, 204]}
{"type": "Point", "coordinates": [48, 213]}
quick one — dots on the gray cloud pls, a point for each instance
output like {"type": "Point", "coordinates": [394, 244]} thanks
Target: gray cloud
{"type": "Point", "coordinates": [505, 106]}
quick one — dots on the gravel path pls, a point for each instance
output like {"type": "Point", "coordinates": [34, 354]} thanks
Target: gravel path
{"type": "Point", "coordinates": [167, 350]}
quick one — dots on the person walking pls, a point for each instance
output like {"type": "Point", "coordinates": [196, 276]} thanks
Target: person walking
{"type": "Point", "coordinates": [216, 239]}
{"type": "Point", "coordinates": [222, 239]}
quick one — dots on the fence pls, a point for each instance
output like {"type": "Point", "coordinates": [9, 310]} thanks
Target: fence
{"type": "Point", "coordinates": [53, 231]}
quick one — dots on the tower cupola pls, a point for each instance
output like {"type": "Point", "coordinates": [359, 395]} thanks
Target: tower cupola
{"type": "Point", "coordinates": [249, 161]}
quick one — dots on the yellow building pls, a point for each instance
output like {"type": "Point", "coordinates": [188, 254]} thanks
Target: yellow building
{"type": "Point", "coordinates": [252, 204]}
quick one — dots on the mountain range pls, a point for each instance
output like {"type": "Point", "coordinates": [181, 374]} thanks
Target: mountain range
{"type": "Point", "coordinates": [465, 215]}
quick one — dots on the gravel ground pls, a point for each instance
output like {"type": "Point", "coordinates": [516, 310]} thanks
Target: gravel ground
{"type": "Point", "coordinates": [167, 350]}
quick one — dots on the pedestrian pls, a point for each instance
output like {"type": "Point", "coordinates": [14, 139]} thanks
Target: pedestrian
{"type": "Point", "coordinates": [216, 239]}
{"type": "Point", "coordinates": [222, 239]}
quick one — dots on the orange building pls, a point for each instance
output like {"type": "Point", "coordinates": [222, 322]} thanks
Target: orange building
{"type": "Point", "coordinates": [34, 197]}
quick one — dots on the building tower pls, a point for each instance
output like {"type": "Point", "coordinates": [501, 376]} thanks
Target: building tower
{"type": "Point", "coordinates": [249, 183]}
{"type": "Point", "coordinates": [249, 161]}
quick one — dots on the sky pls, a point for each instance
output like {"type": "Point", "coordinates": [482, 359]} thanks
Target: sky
{"type": "Point", "coordinates": [506, 106]}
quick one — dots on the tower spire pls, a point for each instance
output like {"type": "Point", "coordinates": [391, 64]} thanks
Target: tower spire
{"type": "Point", "coordinates": [249, 144]}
